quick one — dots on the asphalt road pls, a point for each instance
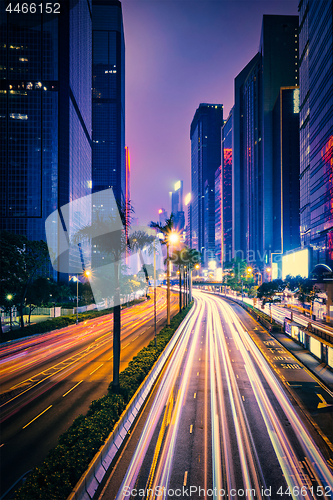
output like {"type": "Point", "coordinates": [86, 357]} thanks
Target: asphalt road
{"type": "Point", "coordinates": [47, 381]}
{"type": "Point", "coordinates": [225, 418]}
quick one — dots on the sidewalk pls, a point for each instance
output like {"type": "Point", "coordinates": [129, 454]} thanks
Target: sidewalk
{"type": "Point", "coordinates": [318, 368]}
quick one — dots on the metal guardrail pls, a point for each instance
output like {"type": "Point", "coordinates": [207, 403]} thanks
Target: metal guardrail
{"type": "Point", "coordinates": [87, 486]}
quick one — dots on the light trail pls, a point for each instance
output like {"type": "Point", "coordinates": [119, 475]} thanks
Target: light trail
{"type": "Point", "coordinates": [237, 455]}
{"type": "Point", "coordinates": [165, 389]}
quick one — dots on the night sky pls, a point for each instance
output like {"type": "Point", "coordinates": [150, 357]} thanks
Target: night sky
{"type": "Point", "coordinates": [180, 53]}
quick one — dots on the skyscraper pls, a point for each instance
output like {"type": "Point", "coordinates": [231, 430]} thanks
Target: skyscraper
{"type": "Point", "coordinates": [227, 136]}
{"type": "Point", "coordinates": [108, 98]}
{"type": "Point", "coordinates": [45, 118]}
{"type": "Point", "coordinates": [177, 208]}
{"type": "Point", "coordinates": [256, 90]}
{"type": "Point", "coordinates": [205, 135]}
{"type": "Point", "coordinates": [316, 128]}
{"type": "Point", "coordinates": [286, 170]}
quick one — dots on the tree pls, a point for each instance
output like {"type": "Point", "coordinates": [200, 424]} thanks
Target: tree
{"type": "Point", "coordinates": [20, 260]}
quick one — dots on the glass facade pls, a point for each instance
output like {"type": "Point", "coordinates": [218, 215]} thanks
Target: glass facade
{"type": "Point", "coordinates": [45, 123]}
{"type": "Point", "coordinates": [316, 126]}
{"type": "Point", "coordinates": [205, 135]}
{"type": "Point", "coordinates": [286, 220]}
{"type": "Point", "coordinates": [218, 218]}
{"type": "Point", "coordinates": [227, 134]}
{"type": "Point", "coordinates": [108, 97]}
{"type": "Point", "coordinates": [256, 90]}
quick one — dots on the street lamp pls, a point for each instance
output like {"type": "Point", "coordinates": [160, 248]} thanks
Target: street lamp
{"type": "Point", "coordinates": [86, 273]}
{"type": "Point", "coordinates": [171, 237]}
{"type": "Point", "coordinates": [9, 297]}
{"type": "Point", "coordinates": [268, 271]}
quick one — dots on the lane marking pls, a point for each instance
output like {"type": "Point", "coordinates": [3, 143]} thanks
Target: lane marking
{"type": "Point", "coordinates": [185, 478]}
{"type": "Point", "coordinates": [126, 345]}
{"type": "Point", "coordinates": [243, 398]}
{"type": "Point", "coordinates": [110, 357]}
{"type": "Point", "coordinates": [195, 395]}
{"type": "Point", "coordinates": [96, 369]}
{"type": "Point", "coordinates": [72, 388]}
{"type": "Point", "coordinates": [197, 373]}
{"type": "Point", "coordinates": [191, 428]}
{"type": "Point", "coordinates": [37, 417]}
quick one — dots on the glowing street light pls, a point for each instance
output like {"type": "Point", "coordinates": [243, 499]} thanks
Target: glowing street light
{"type": "Point", "coordinates": [9, 297]}
{"type": "Point", "coordinates": [173, 238]}
{"type": "Point", "coordinates": [86, 273]}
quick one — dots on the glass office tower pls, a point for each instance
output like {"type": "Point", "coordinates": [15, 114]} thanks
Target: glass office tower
{"type": "Point", "coordinates": [45, 78]}
{"type": "Point", "coordinates": [316, 128]}
{"type": "Point", "coordinates": [286, 223]}
{"type": "Point", "coordinates": [205, 135]}
{"type": "Point", "coordinates": [227, 136]}
{"type": "Point", "coordinates": [108, 98]}
{"type": "Point", "coordinates": [256, 89]}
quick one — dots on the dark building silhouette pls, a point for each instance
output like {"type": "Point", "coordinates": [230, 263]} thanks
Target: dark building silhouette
{"type": "Point", "coordinates": [108, 98]}
{"type": "Point", "coordinates": [286, 221]}
{"type": "Point", "coordinates": [316, 128]}
{"type": "Point", "coordinates": [256, 91]}
{"type": "Point", "coordinates": [45, 74]}
{"type": "Point", "coordinates": [205, 135]}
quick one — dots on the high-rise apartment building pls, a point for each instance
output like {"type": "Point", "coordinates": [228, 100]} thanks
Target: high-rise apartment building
{"type": "Point", "coordinates": [108, 98]}
{"type": "Point", "coordinates": [205, 135]}
{"type": "Point", "coordinates": [45, 78]}
{"type": "Point", "coordinates": [316, 128]}
{"type": "Point", "coordinates": [256, 90]}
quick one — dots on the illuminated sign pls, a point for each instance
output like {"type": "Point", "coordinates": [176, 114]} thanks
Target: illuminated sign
{"type": "Point", "coordinates": [177, 185]}
{"type": "Point", "coordinates": [296, 100]}
{"type": "Point", "coordinates": [296, 264]}
{"type": "Point", "coordinates": [187, 198]}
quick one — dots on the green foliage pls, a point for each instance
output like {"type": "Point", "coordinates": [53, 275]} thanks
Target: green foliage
{"type": "Point", "coordinates": [65, 464]}
{"type": "Point", "coordinates": [267, 290]}
{"type": "Point", "coordinates": [20, 259]}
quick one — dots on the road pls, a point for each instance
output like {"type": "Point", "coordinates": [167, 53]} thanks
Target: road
{"type": "Point", "coordinates": [222, 420]}
{"type": "Point", "coordinates": [48, 380]}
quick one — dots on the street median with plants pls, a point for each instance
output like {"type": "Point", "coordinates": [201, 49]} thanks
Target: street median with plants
{"type": "Point", "coordinates": [65, 464]}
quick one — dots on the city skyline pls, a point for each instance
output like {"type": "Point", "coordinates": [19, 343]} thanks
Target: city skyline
{"type": "Point", "coordinates": [164, 87]}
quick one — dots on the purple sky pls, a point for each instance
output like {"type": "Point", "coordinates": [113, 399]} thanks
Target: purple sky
{"type": "Point", "coordinates": [180, 53]}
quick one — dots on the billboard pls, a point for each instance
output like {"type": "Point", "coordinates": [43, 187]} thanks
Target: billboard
{"type": "Point", "coordinates": [296, 264]}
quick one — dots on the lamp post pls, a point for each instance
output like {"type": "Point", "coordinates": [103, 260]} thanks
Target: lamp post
{"type": "Point", "coordinates": [87, 274]}
{"type": "Point", "coordinates": [155, 291]}
{"type": "Point", "coordinates": [10, 298]}
{"type": "Point", "coordinates": [171, 237]}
